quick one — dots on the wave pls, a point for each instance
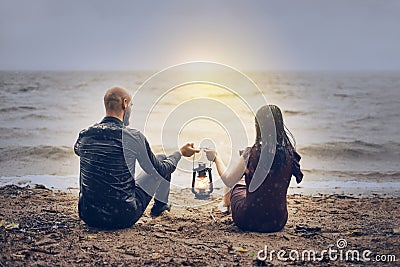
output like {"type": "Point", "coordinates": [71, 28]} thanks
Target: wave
{"type": "Point", "coordinates": [37, 152]}
{"type": "Point", "coordinates": [295, 112]}
{"type": "Point", "coordinates": [341, 95]}
{"type": "Point", "coordinates": [81, 85]}
{"type": "Point", "coordinates": [367, 118]}
{"type": "Point", "coordinates": [40, 116]}
{"type": "Point", "coordinates": [353, 150]}
{"type": "Point", "coordinates": [20, 108]}
{"type": "Point", "coordinates": [358, 175]}
{"type": "Point", "coordinates": [28, 89]}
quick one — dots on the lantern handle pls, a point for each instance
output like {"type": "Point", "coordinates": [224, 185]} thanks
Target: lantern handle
{"type": "Point", "coordinates": [194, 155]}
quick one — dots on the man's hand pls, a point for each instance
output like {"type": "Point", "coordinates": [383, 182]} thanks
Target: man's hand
{"type": "Point", "coordinates": [188, 150]}
{"type": "Point", "coordinates": [211, 154]}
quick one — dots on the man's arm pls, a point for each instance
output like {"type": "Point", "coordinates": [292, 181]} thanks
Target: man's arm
{"type": "Point", "coordinates": [136, 145]}
{"type": "Point", "coordinates": [139, 145]}
{"type": "Point", "coordinates": [77, 145]}
{"type": "Point", "coordinates": [163, 167]}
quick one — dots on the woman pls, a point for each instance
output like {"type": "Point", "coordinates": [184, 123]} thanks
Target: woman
{"type": "Point", "coordinates": [262, 207]}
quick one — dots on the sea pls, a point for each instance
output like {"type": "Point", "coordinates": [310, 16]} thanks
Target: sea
{"type": "Point", "coordinates": [345, 124]}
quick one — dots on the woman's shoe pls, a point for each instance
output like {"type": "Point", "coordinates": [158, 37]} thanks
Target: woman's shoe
{"type": "Point", "coordinates": [222, 207]}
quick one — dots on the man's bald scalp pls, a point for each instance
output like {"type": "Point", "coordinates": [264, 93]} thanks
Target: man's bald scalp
{"type": "Point", "coordinates": [114, 98]}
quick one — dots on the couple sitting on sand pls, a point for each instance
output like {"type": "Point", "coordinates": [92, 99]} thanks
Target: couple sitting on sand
{"type": "Point", "coordinates": [112, 198]}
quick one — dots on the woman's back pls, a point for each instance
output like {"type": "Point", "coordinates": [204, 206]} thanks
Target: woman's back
{"type": "Point", "coordinates": [265, 209]}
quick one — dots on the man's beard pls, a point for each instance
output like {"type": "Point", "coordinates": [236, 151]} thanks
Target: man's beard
{"type": "Point", "coordinates": [127, 115]}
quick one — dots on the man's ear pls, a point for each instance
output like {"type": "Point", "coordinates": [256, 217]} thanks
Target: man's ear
{"type": "Point", "coordinates": [124, 104]}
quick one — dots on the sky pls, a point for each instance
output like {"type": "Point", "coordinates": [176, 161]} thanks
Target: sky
{"type": "Point", "coordinates": [248, 35]}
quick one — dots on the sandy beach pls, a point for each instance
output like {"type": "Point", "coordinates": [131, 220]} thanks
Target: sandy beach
{"type": "Point", "coordinates": [40, 227]}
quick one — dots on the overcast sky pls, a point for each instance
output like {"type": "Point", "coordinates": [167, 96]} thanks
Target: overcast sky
{"type": "Point", "coordinates": [249, 35]}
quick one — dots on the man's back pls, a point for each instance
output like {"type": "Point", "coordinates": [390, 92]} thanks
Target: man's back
{"type": "Point", "coordinates": [107, 187]}
{"type": "Point", "coordinates": [104, 176]}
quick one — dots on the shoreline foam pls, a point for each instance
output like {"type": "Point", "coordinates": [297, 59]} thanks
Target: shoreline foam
{"type": "Point", "coordinates": [307, 188]}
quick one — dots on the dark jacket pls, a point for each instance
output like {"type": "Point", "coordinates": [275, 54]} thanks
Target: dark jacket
{"type": "Point", "coordinates": [108, 152]}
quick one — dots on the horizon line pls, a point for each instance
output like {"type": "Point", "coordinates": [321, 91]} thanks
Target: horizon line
{"type": "Point", "coordinates": [244, 70]}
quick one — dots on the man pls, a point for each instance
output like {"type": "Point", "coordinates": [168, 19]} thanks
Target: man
{"type": "Point", "coordinates": [109, 195]}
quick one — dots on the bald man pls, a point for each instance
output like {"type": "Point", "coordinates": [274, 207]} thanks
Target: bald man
{"type": "Point", "coordinates": [110, 197]}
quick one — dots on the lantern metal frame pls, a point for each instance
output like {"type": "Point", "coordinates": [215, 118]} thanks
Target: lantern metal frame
{"type": "Point", "coordinates": [202, 169]}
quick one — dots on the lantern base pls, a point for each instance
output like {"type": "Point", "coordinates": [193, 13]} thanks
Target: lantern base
{"type": "Point", "coordinates": [203, 196]}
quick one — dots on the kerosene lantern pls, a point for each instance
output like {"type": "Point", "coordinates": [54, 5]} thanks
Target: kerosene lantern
{"type": "Point", "coordinates": [202, 185]}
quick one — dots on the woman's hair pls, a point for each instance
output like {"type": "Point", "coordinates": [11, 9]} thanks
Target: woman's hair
{"type": "Point", "coordinates": [264, 124]}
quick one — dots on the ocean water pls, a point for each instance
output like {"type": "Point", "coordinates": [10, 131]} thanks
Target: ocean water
{"type": "Point", "coordinates": [346, 125]}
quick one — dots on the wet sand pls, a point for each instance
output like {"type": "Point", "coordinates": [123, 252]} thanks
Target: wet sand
{"type": "Point", "coordinates": [40, 227]}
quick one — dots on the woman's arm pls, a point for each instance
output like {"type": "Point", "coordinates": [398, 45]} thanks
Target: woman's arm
{"type": "Point", "coordinates": [230, 176]}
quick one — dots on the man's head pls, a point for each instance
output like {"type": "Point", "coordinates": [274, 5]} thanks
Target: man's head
{"type": "Point", "coordinates": [117, 102]}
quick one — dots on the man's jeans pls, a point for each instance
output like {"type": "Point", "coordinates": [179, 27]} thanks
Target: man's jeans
{"type": "Point", "coordinates": [147, 186]}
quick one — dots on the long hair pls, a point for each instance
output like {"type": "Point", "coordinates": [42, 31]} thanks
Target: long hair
{"type": "Point", "coordinates": [283, 144]}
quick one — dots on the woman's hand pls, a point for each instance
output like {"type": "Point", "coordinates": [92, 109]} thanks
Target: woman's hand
{"type": "Point", "coordinates": [211, 154]}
